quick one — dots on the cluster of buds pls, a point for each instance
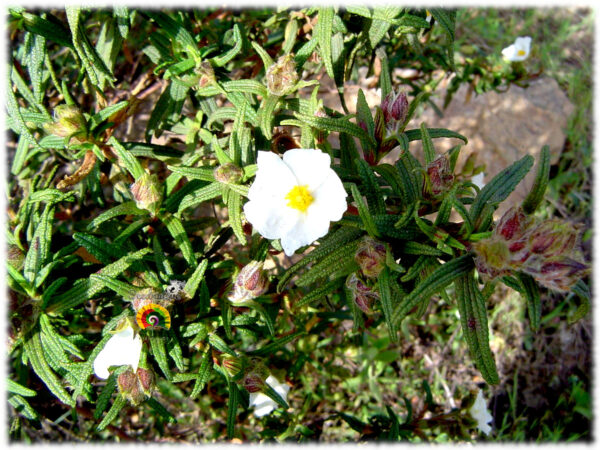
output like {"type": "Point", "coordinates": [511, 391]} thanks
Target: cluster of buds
{"type": "Point", "coordinates": [250, 283]}
{"type": "Point", "coordinates": [206, 74]}
{"type": "Point", "coordinates": [228, 173]}
{"type": "Point", "coordinates": [282, 76]}
{"type": "Point", "coordinates": [69, 123]}
{"type": "Point", "coordinates": [548, 250]}
{"type": "Point", "coordinates": [136, 386]}
{"type": "Point", "coordinates": [440, 176]}
{"type": "Point", "coordinates": [370, 257]}
{"type": "Point", "coordinates": [363, 296]}
{"type": "Point", "coordinates": [147, 193]}
{"type": "Point", "coordinates": [395, 108]}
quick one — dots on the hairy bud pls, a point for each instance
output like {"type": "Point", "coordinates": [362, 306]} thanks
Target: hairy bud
{"type": "Point", "coordinates": [147, 193]}
{"type": "Point", "coordinates": [364, 297]}
{"type": "Point", "coordinates": [228, 173]}
{"type": "Point", "coordinates": [558, 275]}
{"type": "Point", "coordinates": [249, 284]}
{"type": "Point", "coordinates": [146, 381]}
{"type": "Point", "coordinates": [440, 176]}
{"type": "Point", "coordinates": [69, 123]}
{"type": "Point", "coordinates": [282, 76]}
{"type": "Point", "coordinates": [370, 257]}
{"type": "Point", "coordinates": [206, 74]}
{"type": "Point", "coordinates": [553, 238]}
{"type": "Point", "coordinates": [231, 364]}
{"type": "Point", "coordinates": [129, 387]}
{"type": "Point", "coordinates": [395, 108]}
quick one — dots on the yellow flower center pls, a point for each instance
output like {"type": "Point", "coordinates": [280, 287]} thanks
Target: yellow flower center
{"type": "Point", "coordinates": [299, 198]}
{"type": "Point", "coordinates": [521, 53]}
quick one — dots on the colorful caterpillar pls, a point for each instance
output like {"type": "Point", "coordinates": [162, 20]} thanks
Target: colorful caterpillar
{"type": "Point", "coordinates": [153, 316]}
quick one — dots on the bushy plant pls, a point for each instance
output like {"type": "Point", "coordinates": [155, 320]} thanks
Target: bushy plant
{"type": "Point", "coordinates": [156, 258]}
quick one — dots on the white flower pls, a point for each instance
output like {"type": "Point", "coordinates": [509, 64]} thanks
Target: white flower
{"type": "Point", "coordinates": [123, 348]}
{"type": "Point", "coordinates": [477, 180]}
{"type": "Point", "coordinates": [519, 51]}
{"type": "Point", "coordinates": [480, 413]}
{"type": "Point", "coordinates": [295, 198]}
{"type": "Point", "coordinates": [263, 404]}
{"type": "Point", "coordinates": [428, 16]}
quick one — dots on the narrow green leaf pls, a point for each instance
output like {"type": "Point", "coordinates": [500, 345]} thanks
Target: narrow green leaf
{"type": "Point", "coordinates": [161, 410]}
{"type": "Point", "coordinates": [234, 207]}
{"type": "Point", "coordinates": [319, 293]}
{"type": "Point", "coordinates": [112, 413]}
{"type": "Point", "coordinates": [371, 187]}
{"type": "Point", "coordinates": [16, 388]}
{"type": "Point", "coordinates": [500, 187]}
{"type": "Point", "coordinates": [323, 33]}
{"type": "Point", "coordinates": [220, 61]}
{"type": "Point", "coordinates": [200, 196]}
{"type": "Point", "coordinates": [234, 398]}
{"type": "Point", "coordinates": [176, 229]}
{"type": "Point", "coordinates": [157, 344]}
{"type": "Point", "coordinates": [127, 208]}
{"type": "Point", "coordinates": [428, 149]}
{"type": "Point", "coordinates": [532, 297]}
{"type": "Point", "coordinates": [105, 396]}
{"type": "Point", "coordinates": [38, 254]}
{"type": "Point", "coordinates": [363, 211]}
{"type": "Point", "coordinates": [128, 161]}
{"type": "Point", "coordinates": [387, 302]}
{"type": "Point", "coordinates": [203, 373]}
{"type": "Point", "coordinates": [176, 32]}
{"type": "Point", "coordinates": [277, 344]}
{"type": "Point", "coordinates": [434, 283]}
{"type": "Point", "coordinates": [536, 194]}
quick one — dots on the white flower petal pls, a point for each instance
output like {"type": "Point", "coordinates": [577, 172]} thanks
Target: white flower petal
{"type": "Point", "coordinates": [122, 348]}
{"type": "Point", "coordinates": [272, 218]}
{"type": "Point", "coordinates": [263, 404]}
{"type": "Point", "coordinates": [480, 413]}
{"type": "Point", "coordinates": [519, 51]}
{"type": "Point", "coordinates": [478, 180]}
{"type": "Point", "coordinates": [330, 198]}
{"type": "Point", "coordinates": [311, 167]}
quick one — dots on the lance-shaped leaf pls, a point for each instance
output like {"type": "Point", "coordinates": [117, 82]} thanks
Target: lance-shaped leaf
{"type": "Point", "coordinates": [583, 291]}
{"type": "Point", "coordinates": [157, 344]}
{"type": "Point", "coordinates": [532, 297]}
{"type": "Point", "coordinates": [191, 286]}
{"type": "Point", "coordinates": [387, 301]}
{"type": "Point", "coordinates": [338, 261]}
{"type": "Point", "coordinates": [176, 33]}
{"type": "Point", "coordinates": [234, 399]}
{"type": "Point", "coordinates": [204, 372]}
{"type": "Point", "coordinates": [105, 395]}
{"type": "Point", "coordinates": [234, 207]}
{"type": "Point", "coordinates": [127, 208]}
{"type": "Point", "coordinates": [221, 60]}
{"type": "Point", "coordinates": [415, 135]}
{"type": "Point", "coordinates": [272, 347]}
{"type": "Point", "coordinates": [112, 413]}
{"type": "Point", "coordinates": [500, 187]}
{"type": "Point", "coordinates": [200, 196]}
{"type": "Point", "coordinates": [36, 356]}
{"type": "Point", "coordinates": [319, 293]}
{"type": "Point", "coordinates": [322, 34]}
{"type": "Point", "coordinates": [176, 229]}
{"type": "Point", "coordinates": [371, 187]}
{"type": "Point", "coordinates": [536, 194]}
{"type": "Point", "coordinates": [434, 283]}
{"type": "Point", "coordinates": [363, 212]}
{"type": "Point", "coordinates": [128, 161]}
{"type": "Point", "coordinates": [39, 250]}
{"type": "Point", "coordinates": [161, 410]}
{"type": "Point", "coordinates": [473, 318]}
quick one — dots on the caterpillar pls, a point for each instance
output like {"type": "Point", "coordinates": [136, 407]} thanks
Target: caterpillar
{"type": "Point", "coordinates": [153, 316]}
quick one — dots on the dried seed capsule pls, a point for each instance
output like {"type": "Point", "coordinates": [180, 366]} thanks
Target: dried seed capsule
{"type": "Point", "coordinates": [282, 76]}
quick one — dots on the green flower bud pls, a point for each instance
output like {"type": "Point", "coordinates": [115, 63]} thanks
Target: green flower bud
{"type": "Point", "coordinates": [228, 173]}
{"type": "Point", "coordinates": [69, 122]}
{"type": "Point", "coordinates": [282, 76]}
{"type": "Point", "coordinates": [370, 257]}
{"type": "Point", "coordinates": [249, 284]}
{"type": "Point", "coordinates": [492, 258]}
{"type": "Point", "coordinates": [147, 193]}
{"type": "Point", "coordinates": [231, 364]}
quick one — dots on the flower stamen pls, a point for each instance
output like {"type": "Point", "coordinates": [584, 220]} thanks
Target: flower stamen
{"type": "Point", "coordinates": [299, 198]}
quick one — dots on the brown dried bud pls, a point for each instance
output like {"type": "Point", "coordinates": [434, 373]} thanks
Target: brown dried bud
{"type": "Point", "coordinates": [282, 76]}
{"type": "Point", "coordinates": [370, 257]}
{"type": "Point", "coordinates": [206, 74]}
{"type": "Point", "coordinates": [364, 297]}
{"type": "Point", "coordinates": [395, 108]}
{"type": "Point", "coordinates": [146, 381]}
{"type": "Point", "coordinates": [250, 283]}
{"type": "Point", "coordinates": [69, 122]}
{"type": "Point", "coordinates": [440, 176]}
{"type": "Point", "coordinates": [147, 193]}
{"type": "Point", "coordinates": [129, 387]}
{"type": "Point", "coordinates": [228, 173]}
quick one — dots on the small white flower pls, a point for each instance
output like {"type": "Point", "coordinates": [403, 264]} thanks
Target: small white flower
{"type": "Point", "coordinates": [263, 404]}
{"type": "Point", "coordinates": [480, 413]}
{"type": "Point", "coordinates": [519, 51]}
{"type": "Point", "coordinates": [477, 180]}
{"type": "Point", "coordinates": [295, 198]}
{"type": "Point", "coordinates": [123, 348]}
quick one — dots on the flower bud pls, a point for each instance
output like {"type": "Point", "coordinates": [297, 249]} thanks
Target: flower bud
{"type": "Point", "coordinates": [395, 108]}
{"type": "Point", "coordinates": [363, 295]}
{"type": "Point", "coordinates": [231, 364]}
{"type": "Point", "coordinates": [249, 284]}
{"type": "Point", "coordinates": [282, 76]}
{"type": "Point", "coordinates": [69, 122]}
{"type": "Point", "coordinates": [553, 238]}
{"type": "Point", "coordinates": [370, 257]}
{"type": "Point", "coordinates": [146, 381]}
{"type": "Point", "coordinates": [513, 224]}
{"type": "Point", "coordinates": [228, 173]}
{"type": "Point", "coordinates": [147, 193]}
{"type": "Point", "coordinates": [440, 176]}
{"type": "Point", "coordinates": [129, 387]}
{"type": "Point", "coordinates": [492, 257]}
{"type": "Point", "coordinates": [558, 275]}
